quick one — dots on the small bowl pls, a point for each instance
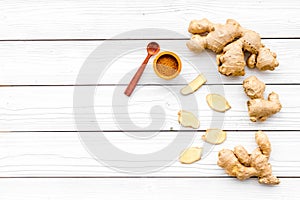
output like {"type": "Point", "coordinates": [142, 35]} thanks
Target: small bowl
{"type": "Point", "coordinates": [167, 65]}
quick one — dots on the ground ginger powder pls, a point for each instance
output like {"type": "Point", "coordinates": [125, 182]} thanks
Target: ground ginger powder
{"type": "Point", "coordinates": [167, 65]}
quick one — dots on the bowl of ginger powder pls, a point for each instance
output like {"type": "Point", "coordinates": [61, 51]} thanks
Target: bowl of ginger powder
{"type": "Point", "coordinates": [167, 65]}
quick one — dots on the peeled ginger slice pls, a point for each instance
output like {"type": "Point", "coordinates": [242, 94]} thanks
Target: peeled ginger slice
{"type": "Point", "coordinates": [190, 155]}
{"type": "Point", "coordinates": [217, 102]}
{"type": "Point", "coordinates": [188, 119]}
{"type": "Point", "coordinates": [194, 85]}
{"type": "Point", "coordinates": [214, 136]}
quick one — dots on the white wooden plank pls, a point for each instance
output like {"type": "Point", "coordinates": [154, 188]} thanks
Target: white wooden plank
{"type": "Point", "coordinates": [59, 63]}
{"type": "Point", "coordinates": [62, 154]}
{"type": "Point", "coordinates": [159, 188]}
{"type": "Point", "coordinates": [104, 19]}
{"type": "Point", "coordinates": [51, 108]}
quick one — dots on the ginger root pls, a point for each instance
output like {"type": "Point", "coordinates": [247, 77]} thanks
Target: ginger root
{"type": "Point", "coordinates": [229, 41]}
{"type": "Point", "coordinates": [260, 109]}
{"type": "Point", "coordinates": [242, 165]}
{"type": "Point", "coordinates": [218, 36]}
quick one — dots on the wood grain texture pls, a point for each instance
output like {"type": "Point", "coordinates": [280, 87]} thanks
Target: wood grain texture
{"type": "Point", "coordinates": [59, 63]}
{"type": "Point", "coordinates": [51, 108]}
{"type": "Point", "coordinates": [104, 19]}
{"type": "Point", "coordinates": [62, 154]}
{"type": "Point", "coordinates": [45, 43]}
{"type": "Point", "coordinates": [149, 189]}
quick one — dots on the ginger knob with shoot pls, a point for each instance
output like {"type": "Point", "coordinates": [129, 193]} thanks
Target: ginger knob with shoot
{"type": "Point", "coordinates": [240, 164]}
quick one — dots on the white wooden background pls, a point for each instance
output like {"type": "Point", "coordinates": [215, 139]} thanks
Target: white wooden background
{"type": "Point", "coordinates": [43, 44]}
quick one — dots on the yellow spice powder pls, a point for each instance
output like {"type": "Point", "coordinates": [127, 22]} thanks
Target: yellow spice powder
{"type": "Point", "coordinates": [167, 65]}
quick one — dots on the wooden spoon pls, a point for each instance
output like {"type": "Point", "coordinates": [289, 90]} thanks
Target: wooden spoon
{"type": "Point", "coordinates": [152, 49]}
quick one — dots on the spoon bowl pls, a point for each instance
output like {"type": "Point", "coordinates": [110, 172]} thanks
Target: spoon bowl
{"type": "Point", "coordinates": [153, 48]}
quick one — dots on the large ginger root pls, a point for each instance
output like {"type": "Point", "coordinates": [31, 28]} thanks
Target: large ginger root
{"type": "Point", "coordinates": [230, 41]}
{"type": "Point", "coordinates": [218, 35]}
{"type": "Point", "coordinates": [260, 109]}
{"type": "Point", "coordinates": [240, 164]}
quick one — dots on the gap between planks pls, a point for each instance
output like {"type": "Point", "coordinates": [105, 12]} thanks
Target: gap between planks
{"type": "Point", "coordinates": [135, 177]}
{"type": "Point", "coordinates": [161, 131]}
{"type": "Point", "coordinates": [103, 39]}
{"type": "Point", "coordinates": [87, 85]}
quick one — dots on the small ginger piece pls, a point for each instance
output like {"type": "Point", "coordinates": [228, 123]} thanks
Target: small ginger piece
{"type": "Point", "coordinates": [242, 165]}
{"type": "Point", "coordinates": [254, 88]}
{"type": "Point", "coordinates": [214, 136]}
{"type": "Point", "coordinates": [260, 109]}
{"type": "Point", "coordinates": [230, 162]}
{"type": "Point", "coordinates": [266, 60]}
{"type": "Point", "coordinates": [242, 155]}
{"type": "Point", "coordinates": [194, 85]}
{"type": "Point", "coordinates": [251, 61]}
{"type": "Point", "coordinates": [261, 57]}
{"type": "Point", "coordinates": [190, 155]}
{"type": "Point", "coordinates": [231, 62]}
{"type": "Point", "coordinates": [188, 119]}
{"type": "Point", "coordinates": [217, 102]}
{"type": "Point", "coordinates": [263, 142]}
{"type": "Point", "coordinates": [230, 41]}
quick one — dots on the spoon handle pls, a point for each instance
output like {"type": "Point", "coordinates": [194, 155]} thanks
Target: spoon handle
{"type": "Point", "coordinates": [136, 77]}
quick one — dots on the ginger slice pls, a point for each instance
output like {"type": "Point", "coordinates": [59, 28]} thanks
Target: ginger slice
{"type": "Point", "coordinates": [217, 102]}
{"type": "Point", "coordinates": [194, 85]}
{"type": "Point", "coordinates": [188, 119]}
{"type": "Point", "coordinates": [190, 155]}
{"type": "Point", "coordinates": [214, 136]}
